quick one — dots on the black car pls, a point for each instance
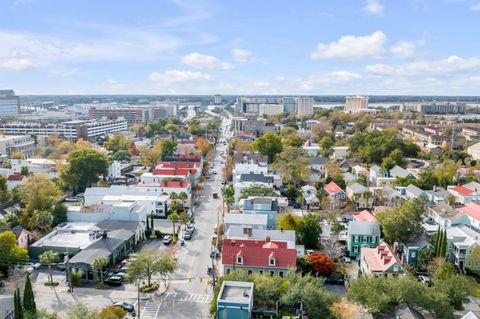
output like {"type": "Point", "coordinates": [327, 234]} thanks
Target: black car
{"type": "Point", "coordinates": [115, 281]}
{"type": "Point", "coordinates": [128, 307]}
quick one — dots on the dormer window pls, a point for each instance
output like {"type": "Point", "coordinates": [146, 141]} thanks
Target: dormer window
{"type": "Point", "coordinates": [239, 260]}
{"type": "Point", "coordinates": [271, 261]}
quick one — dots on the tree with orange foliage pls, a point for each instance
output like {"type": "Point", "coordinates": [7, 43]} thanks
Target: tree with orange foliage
{"type": "Point", "coordinates": [321, 264]}
{"type": "Point", "coordinates": [202, 146]}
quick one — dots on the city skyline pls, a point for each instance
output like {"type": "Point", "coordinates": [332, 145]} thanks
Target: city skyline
{"type": "Point", "coordinates": [374, 47]}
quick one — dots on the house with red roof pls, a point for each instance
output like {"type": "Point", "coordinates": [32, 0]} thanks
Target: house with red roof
{"type": "Point", "coordinates": [472, 211]}
{"type": "Point", "coordinates": [381, 261]}
{"type": "Point", "coordinates": [194, 168]}
{"type": "Point", "coordinates": [336, 194]}
{"type": "Point", "coordinates": [364, 216]}
{"type": "Point", "coordinates": [166, 188]}
{"type": "Point", "coordinates": [464, 194]}
{"type": "Point", "coordinates": [262, 256]}
{"type": "Point", "coordinates": [15, 180]}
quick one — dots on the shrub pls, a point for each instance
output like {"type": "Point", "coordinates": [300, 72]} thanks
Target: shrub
{"type": "Point", "coordinates": [158, 234]}
{"type": "Point", "coordinates": [76, 279]}
{"type": "Point", "coordinates": [148, 233]}
{"type": "Point", "coordinates": [51, 283]}
{"type": "Point", "coordinates": [154, 286]}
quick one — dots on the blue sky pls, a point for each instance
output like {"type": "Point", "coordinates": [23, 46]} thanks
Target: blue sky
{"type": "Point", "coordinates": [313, 47]}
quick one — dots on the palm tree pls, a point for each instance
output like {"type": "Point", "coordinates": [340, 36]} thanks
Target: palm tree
{"type": "Point", "coordinates": [183, 196]}
{"type": "Point", "coordinates": [99, 263]}
{"type": "Point", "coordinates": [49, 257]}
{"type": "Point", "coordinates": [229, 197]}
{"type": "Point", "coordinates": [173, 217]}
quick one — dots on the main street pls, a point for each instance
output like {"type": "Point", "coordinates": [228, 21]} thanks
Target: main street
{"type": "Point", "coordinates": [189, 292]}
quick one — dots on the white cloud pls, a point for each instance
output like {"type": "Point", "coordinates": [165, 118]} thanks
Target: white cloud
{"type": "Point", "coordinates": [19, 50]}
{"type": "Point", "coordinates": [403, 49]}
{"type": "Point", "coordinates": [172, 76]}
{"type": "Point", "coordinates": [352, 47]}
{"type": "Point", "coordinates": [344, 76]}
{"type": "Point", "coordinates": [373, 7]}
{"type": "Point", "coordinates": [241, 55]}
{"type": "Point", "coordinates": [202, 61]}
{"type": "Point", "coordinates": [16, 64]}
{"type": "Point", "coordinates": [452, 64]}
{"type": "Point", "coordinates": [115, 85]}
{"type": "Point", "coordinates": [475, 7]}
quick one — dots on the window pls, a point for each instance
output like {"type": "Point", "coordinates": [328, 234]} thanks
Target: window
{"type": "Point", "coordinates": [355, 249]}
{"type": "Point", "coordinates": [239, 260]}
{"type": "Point", "coordinates": [365, 238]}
{"type": "Point", "coordinates": [272, 273]}
{"type": "Point", "coordinates": [228, 271]}
{"type": "Point", "coordinates": [271, 261]}
{"type": "Point", "coordinates": [395, 268]}
{"type": "Point", "coordinates": [261, 272]}
{"type": "Point", "coordinates": [355, 239]}
{"type": "Point", "coordinates": [250, 272]}
{"type": "Point", "coordinates": [280, 274]}
{"type": "Point", "coordinates": [413, 254]}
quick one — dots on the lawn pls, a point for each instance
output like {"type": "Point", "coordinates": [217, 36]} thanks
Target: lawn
{"type": "Point", "coordinates": [473, 286]}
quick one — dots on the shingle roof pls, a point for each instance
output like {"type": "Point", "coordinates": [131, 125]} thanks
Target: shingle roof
{"type": "Point", "coordinates": [318, 160]}
{"type": "Point", "coordinates": [416, 191]}
{"type": "Point", "coordinates": [356, 227]}
{"type": "Point", "coordinates": [358, 188]}
{"type": "Point", "coordinates": [256, 178]}
{"type": "Point", "coordinates": [247, 157]}
{"type": "Point", "coordinates": [398, 171]}
{"type": "Point", "coordinates": [257, 253]}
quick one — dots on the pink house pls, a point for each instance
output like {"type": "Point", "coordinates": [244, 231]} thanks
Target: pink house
{"type": "Point", "coordinates": [381, 261]}
{"type": "Point", "coordinates": [24, 237]}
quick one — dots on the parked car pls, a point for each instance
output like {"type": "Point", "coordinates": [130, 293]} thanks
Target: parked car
{"type": "Point", "coordinates": [334, 279]}
{"type": "Point", "coordinates": [215, 195]}
{"type": "Point", "coordinates": [187, 235]}
{"type": "Point", "coordinates": [128, 307]}
{"type": "Point", "coordinates": [190, 227]}
{"type": "Point", "coordinates": [167, 239]}
{"type": "Point", "coordinates": [71, 199]}
{"type": "Point", "coordinates": [115, 281]}
{"type": "Point", "coordinates": [347, 260]}
{"type": "Point", "coordinates": [425, 279]}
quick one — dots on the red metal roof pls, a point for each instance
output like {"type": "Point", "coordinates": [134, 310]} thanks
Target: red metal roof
{"type": "Point", "coordinates": [183, 165]}
{"type": "Point", "coordinates": [171, 171]}
{"type": "Point", "coordinates": [381, 258]}
{"type": "Point", "coordinates": [462, 190]}
{"type": "Point", "coordinates": [167, 184]}
{"type": "Point", "coordinates": [256, 253]}
{"type": "Point", "coordinates": [472, 210]}
{"type": "Point", "coordinates": [364, 216]}
{"type": "Point", "coordinates": [15, 177]}
{"type": "Point", "coordinates": [332, 187]}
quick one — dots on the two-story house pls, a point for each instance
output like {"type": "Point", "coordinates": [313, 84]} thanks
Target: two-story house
{"type": "Point", "coordinates": [398, 171]}
{"type": "Point", "coordinates": [262, 206]}
{"type": "Point", "coordinates": [265, 257]}
{"type": "Point", "coordinates": [464, 195]}
{"type": "Point", "coordinates": [360, 195]}
{"type": "Point", "coordinates": [317, 169]}
{"type": "Point", "coordinates": [446, 216]}
{"type": "Point", "coordinates": [472, 211]}
{"type": "Point", "coordinates": [336, 195]}
{"type": "Point", "coordinates": [381, 261]}
{"type": "Point", "coordinates": [362, 234]}
{"type": "Point", "coordinates": [409, 250]}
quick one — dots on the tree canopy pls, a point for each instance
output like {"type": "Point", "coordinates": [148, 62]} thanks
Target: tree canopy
{"type": "Point", "coordinates": [293, 165]}
{"type": "Point", "coordinates": [269, 144]}
{"type": "Point", "coordinates": [39, 193]}
{"type": "Point", "coordinates": [84, 168]}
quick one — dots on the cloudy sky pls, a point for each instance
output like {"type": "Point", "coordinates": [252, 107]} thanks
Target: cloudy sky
{"type": "Point", "coordinates": [313, 47]}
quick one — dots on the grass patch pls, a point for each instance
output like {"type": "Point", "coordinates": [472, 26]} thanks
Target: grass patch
{"type": "Point", "coordinates": [473, 286]}
{"type": "Point", "coordinates": [102, 285]}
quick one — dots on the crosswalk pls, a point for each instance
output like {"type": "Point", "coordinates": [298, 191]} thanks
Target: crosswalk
{"type": "Point", "coordinates": [186, 297]}
{"type": "Point", "coordinates": [150, 310]}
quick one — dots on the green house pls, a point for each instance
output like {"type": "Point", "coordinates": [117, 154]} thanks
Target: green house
{"type": "Point", "coordinates": [362, 234]}
{"type": "Point", "coordinates": [235, 300]}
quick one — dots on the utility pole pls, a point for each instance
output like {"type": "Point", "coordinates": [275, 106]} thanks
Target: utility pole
{"type": "Point", "coordinates": [138, 297]}
{"type": "Point", "coordinates": [69, 273]}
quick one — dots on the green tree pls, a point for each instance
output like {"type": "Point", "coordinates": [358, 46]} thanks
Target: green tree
{"type": "Point", "coordinates": [49, 257]}
{"type": "Point", "coordinates": [151, 262]}
{"type": "Point", "coordinates": [337, 228]}
{"type": "Point", "coordinates": [257, 190]}
{"type": "Point", "coordinates": [288, 221]}
{"type": "Point", "coordinates": [39, 193]}
{"type": "Point", "coordinates": [98, 264]}
{"type": "Point", "coordinates": [402, 221]}
{"type": "Point", "coordinates": [293, 165]}
{"type": "Point", "coordinates": [117, 142]}
{"type": "Point", "coordinates": [229, 197]}
{"type": "Point", "coordinates": [28, 297]}
{"type": "Point", "coordinates": [269, 289]}
{"type": "Point", "coordinates": [59, 214]}
{"type": "Point", "coordinates": [17, 303]}
{"type": "Point", "coordinates": [84, 168]}
{"type": "Point", "coordinates": [293, 140]}
{"type": "Point", "coordinates": [455, 287]}
{"type": "Point", "coordinates": [24, 171]}
{"type": "Point", "coordinates": [308, 291]}
{"type": "Point", "coordinates": [10, 252]}
{"type": "Point", "coordinates": [269, 144]}
{"type": "Point", "coordinates": [4, 194]}
{"type": "Point", "coordinates": [41, 314]}
{"type": "Point", "coordinates": [174, 218]}
{"type": "Point", "coordinates": [168, 147]}
{"type": "Point", "coordinates": [112, 312]}
{"type": "Point", "coordinates": [80, 310]}
{"type": "Point", "coordinates": [309, 231]}
{"type": "Point", "coordinates": [122, 155]}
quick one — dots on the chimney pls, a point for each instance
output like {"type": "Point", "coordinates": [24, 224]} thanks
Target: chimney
{"type": "Point", "coordinates": [233, 242]}
{"type": "Point", "coordinates": [386, 260]}
{"type": "Point", "coordinates": [281, 229]}
{"type": "Point", "coordinates": [268, 239]}
{"type": "Point", "coordinates": [247, 231]}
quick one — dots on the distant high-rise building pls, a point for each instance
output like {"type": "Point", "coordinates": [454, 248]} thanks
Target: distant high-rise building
{"type": "Point", "coordinates": [289, 105]}
{"type": "Point", "coordinates": [304, 106]}
{"type": "Point", "coordinates": [270, 109]}
{"type": "Point", "coordinates": [355, 104]}
{"type": "Point", "coordinates": [434, 108]}
{"type": "Point", "coordinates": [217, 99]}
{"type": "Point", "coordinates": [9, 104]}
{"type": "Point", "coordinates": [251, 104]}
